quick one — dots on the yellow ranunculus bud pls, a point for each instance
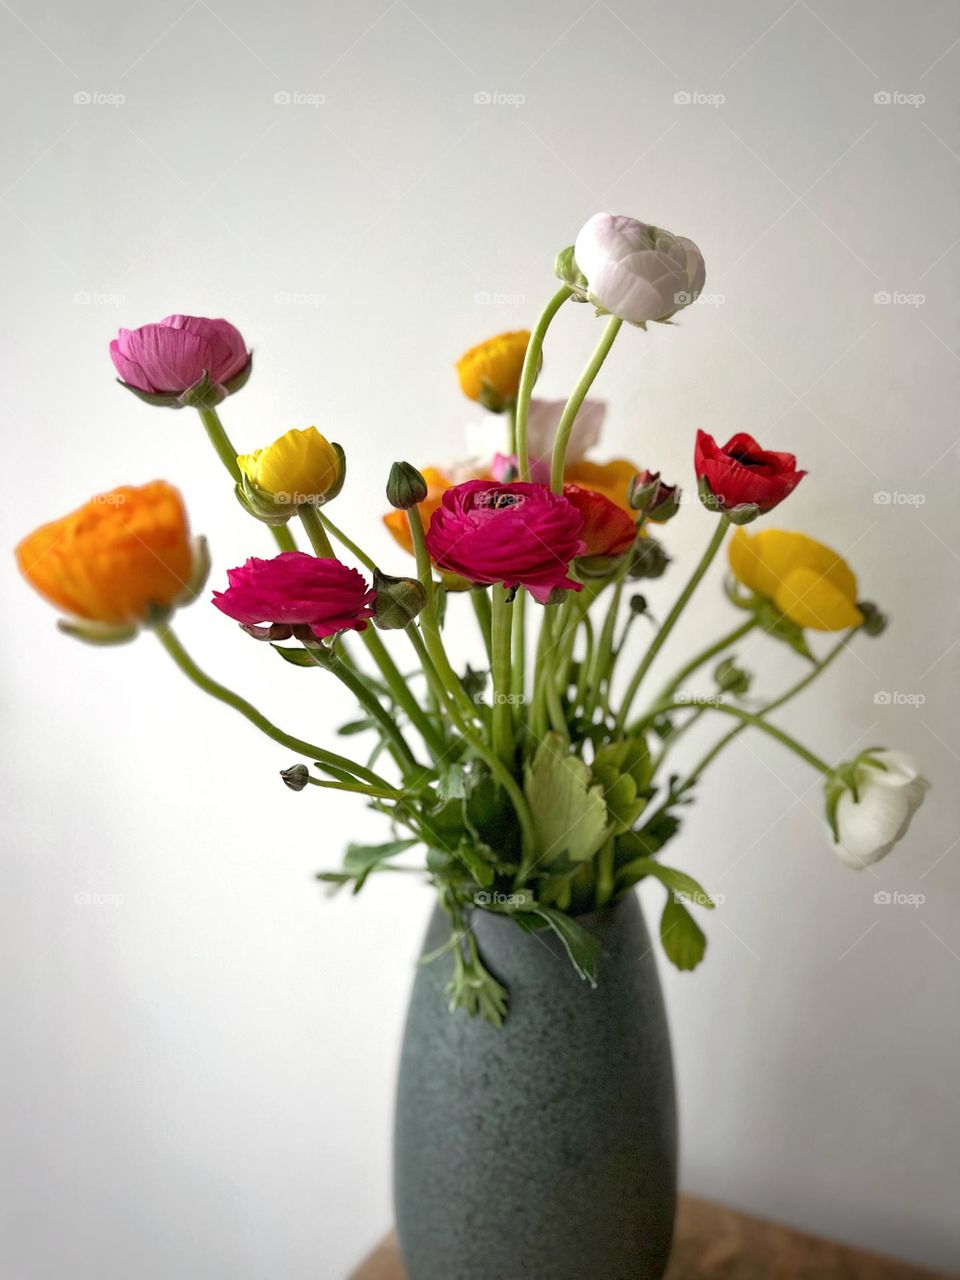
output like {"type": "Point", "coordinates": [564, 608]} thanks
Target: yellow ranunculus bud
{"type": "Point", "coordinates": [809, 583]}
{"type": "Point", "coordinates": [490, 372]}
{"type": "Point", "coordinates": [302, 466]}
{"type": "Point", "coordinates": [119, 559]}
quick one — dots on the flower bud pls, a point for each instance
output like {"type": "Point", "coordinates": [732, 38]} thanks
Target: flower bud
{"type": "Point", "coordinates": [874, 621]}
{"type": "Point", "coordinates": [648, 493]}
{"type": "Point", "coordinates": [296, 777]}
{"type": "Point", "coordinates": [406, 487]}
{"type": "Point", "coordinates": [300, 468]}
{"type": "Point", "coordinates": [649, 559]}
{"type": "Point", "coordinates": [730, 678]}
{"type": "Point", "coordinates": [569, 273]}
{"type": "Point", "coordinates": [398, 602]}
{"type": "Point", "coordinates": [183, 360]}
{"type": "Point", "coordinates": [490, 372]}
{"type": "Point", "coordinates": [638, 605]}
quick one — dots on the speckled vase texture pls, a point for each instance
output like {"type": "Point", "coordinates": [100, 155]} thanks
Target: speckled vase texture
{"type": "Point", "coordinates": [545, 1150]}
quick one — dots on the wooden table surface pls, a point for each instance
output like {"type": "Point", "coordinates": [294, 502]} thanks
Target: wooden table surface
{"type": "Point", "coordinates": [713, 1243]}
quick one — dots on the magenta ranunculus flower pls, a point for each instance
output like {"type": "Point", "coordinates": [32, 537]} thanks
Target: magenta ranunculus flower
{"type": "Point", "coordinates": [164, 360]}
{"type": "Point", "coordinates": [521, 535]}
{"type": "Point", "coordinates": [295, 589]}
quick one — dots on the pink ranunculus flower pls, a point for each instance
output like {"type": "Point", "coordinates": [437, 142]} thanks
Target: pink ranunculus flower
{"type": "Point", "coordinates": [295, 589]}
{"type": "Point", "coordinates": [169, 358]}
{"type": "Point", "coordinates": [520, 535]}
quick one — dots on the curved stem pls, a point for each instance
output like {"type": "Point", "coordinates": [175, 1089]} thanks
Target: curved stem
{"type": "Point", "coordinates": [379, 793]}
{"type": "Point", "coordinates": [705, 655]}
{"type": "Point", "coordinates": [671, 619]}
{"type": "Point", "coordinates": [401, 693]}
{"type": "Point", "coordinates": [531, 367]}
{"type": "Point", "coordinates": [344, 541]}
{"type": "Point", "coordinates": [190, 669]}
{"type": "Point", "coordinates": [310, 519]}
{"type": "Point", "coordinates": [752, 719]}
{"type": "Point", "coordinates": [577, 397]}
{"type": "Point", "coordinates": [372, 705]}
{"type": "Point", "coordinates": [779, 701]}
{"type": "Point", "coordinates": [227, 454]}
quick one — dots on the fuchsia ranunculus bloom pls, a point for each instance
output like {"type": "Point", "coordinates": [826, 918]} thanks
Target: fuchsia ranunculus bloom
{"type": "Point", "coordinates": [170, 357]}
{"type": "Point", "coordinates": [520, 535]}
{"type": "Point", "coordinates": [296, 589]}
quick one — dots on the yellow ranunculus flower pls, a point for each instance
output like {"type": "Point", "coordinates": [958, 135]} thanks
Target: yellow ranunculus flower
{"type": "Point", "coordinates": [807, 582]}
{"type": "Point", "coordinates": [490, 372]}
{"type": "Point", "coordinates": [302, 466]}
{"type": "Point", "coordinates": [612, 479]}
{"type": "Point", "coordinates": [121, 554]}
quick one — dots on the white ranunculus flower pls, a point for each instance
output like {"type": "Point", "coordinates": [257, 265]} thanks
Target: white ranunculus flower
{"type": "Point", "coordinates": [635, 271]}
{"type": "Point", "coordinates": [870, 824]}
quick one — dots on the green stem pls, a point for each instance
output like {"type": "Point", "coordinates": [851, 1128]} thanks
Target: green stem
{"type": "Point", "coordinates": [502, 723]}
{"type": "Point", "coordinates": [481, 607]}
{"type": "Point", "coordinates": [577, 397]}
{"type": "Point", "coordinates": [344, 541]}
{"type": "Point", "coordinates": [372, 705]}
{"type": "Point", "coordinates": [518, 657]}
{"type": "Point", "coordinates": [310, 519]}
{"type": "Point", "coordinates": [723, 524]}
{"type": "Point", "coordinates": [705, 655]}
{"type": "Point", "coordinates": [531, 367]}
{"type": "Point", "coordinates": [401, 693]}
{"type": "Point", "coordinates": [777, 702]}
{"type": "Point", "coordinates": [186, 664]}
{"type": "Point", "coordinates": [430, 626]}
{"type": "Point", "coordinates": [380, 793]}
{"type": "Point", "coordinates": [227, 454]}
{"type": "Point", "coordinates": [752, 719]}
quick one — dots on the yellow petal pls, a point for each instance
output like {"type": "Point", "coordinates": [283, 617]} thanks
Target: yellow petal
{"type": "Point", "coordinates": [612, 479]}
{"type": "Point", "coordinates": [495, 364]}
{"type": "Point", "coordinates": [812, 599]}
{"type": "Point", "coordinates": [302, 464]}
{"type": "Point", "coordinates": [762, 561]}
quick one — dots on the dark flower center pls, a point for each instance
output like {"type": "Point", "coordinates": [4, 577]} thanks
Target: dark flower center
{"type": "Point", "coordinates": [496, 499]}
{"type": "Point", "coordinates": [747, 459]}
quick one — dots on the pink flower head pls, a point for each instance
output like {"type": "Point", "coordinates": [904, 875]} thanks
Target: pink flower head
{"type": "Point", "coordinates": [516, 534]}
{"type": "Point", "coordinates": [170, 357]}
{"type": "Point", "coordinates": [295, 589]}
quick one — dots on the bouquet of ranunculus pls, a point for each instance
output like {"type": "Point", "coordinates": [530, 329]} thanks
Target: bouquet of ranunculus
{"type": "Point", "coordinates": [538, 788]}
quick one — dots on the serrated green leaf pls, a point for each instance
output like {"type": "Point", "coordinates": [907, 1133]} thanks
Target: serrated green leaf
{"type": "Point", "coordinates": [684, 942]}
{"type": "Point", "coordinates": [568, 807]}
{"type": "Point", "coordinates": [581, 947]}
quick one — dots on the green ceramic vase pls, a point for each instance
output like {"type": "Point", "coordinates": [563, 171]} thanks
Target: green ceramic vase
{"type": "Point", "coordinates": [546, 1149]}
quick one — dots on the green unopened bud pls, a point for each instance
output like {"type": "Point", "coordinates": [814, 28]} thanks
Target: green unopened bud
{"type": "Point", "coordinates": [296, 777]}
{"type": "Point", "coordinates": [730, 678]}
{"type": "Point", "coordinates": [406, 487]}
{"type": "Point", "coordinates": [398, 602]}
{"type": "Point", "coordinates": [570, 274]}
{"type": "Point", "coordinates": [649, 494]}
{"type": "Point", "coordinates": [874, 620]}
{"type": "Point", "coordinates": [649, 559]}
{"type": "Point", "coordinates": [597, 566]}
{"type": "Point", "coordinates": [638, 605]}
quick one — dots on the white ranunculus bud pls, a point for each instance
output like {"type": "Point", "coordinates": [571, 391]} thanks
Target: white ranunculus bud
{"type": "Point", "coordinates": [871, 805]}
{"type": "Point", "coordinates": [635, 271]}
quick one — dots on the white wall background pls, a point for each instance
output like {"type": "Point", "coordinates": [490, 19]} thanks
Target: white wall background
{"type": "Point", "coordinates": [199, 1063]}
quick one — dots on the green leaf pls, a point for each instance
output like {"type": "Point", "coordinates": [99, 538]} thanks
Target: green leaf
{"type": "Point", "coordinates": [678, 882]}
{"type": "Point", "coordinates": [776, 624]}
{"type": "Point", "coordinates": [360, 859]}
{"type": "Point", "coordinates": [568, 808]}
{"type": "Point", "coordinates": [356, 726]}
{"type": "Point", "coordinates": [650, 838]}
{"type": "Point", "coordinates": [296, 657]}
{"type": "Point", "coordinates": [582, 947]}
{"type": "Point", "coordinates": [479, 861]}
{"type": "Point", "coordinates": [683, 940]}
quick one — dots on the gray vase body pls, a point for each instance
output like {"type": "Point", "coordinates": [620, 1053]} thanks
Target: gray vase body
{"type": "Point", "coordinates": [545, 1150]}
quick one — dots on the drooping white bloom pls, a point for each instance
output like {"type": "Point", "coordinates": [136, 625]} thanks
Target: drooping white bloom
{"type": "Point", "coordinates": [636, 271]}
{"type": "Point", "coordinates": [873, 813]}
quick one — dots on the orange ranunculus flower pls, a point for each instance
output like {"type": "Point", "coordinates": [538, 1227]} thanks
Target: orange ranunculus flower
{"type": "Point", "coordinates": [490, 372]}
{"type": "Point", "coordinates": [396, 521]}
{"type": "Point", "coordinates": [612, 479]}
{"type": "Point", "coordinates": [115, 559]}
